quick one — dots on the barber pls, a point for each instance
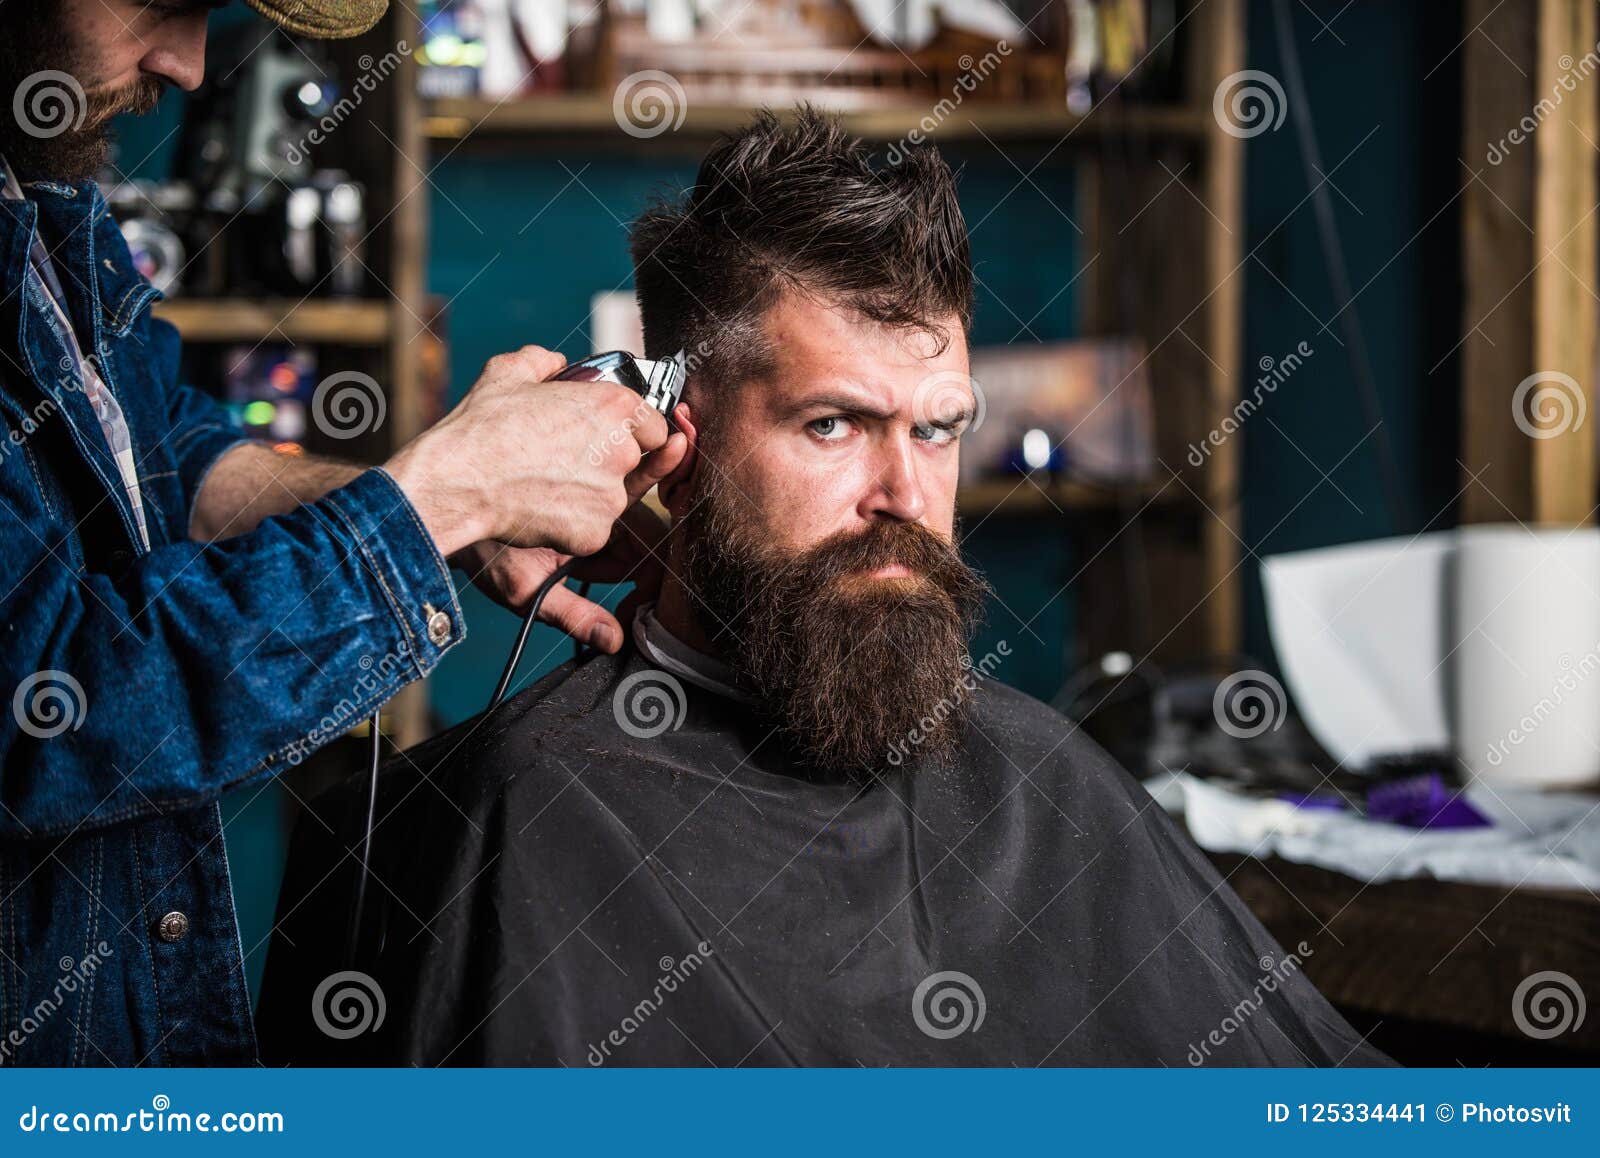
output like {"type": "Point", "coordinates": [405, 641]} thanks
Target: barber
{"type": "Point", "coordinates": [180, 608]}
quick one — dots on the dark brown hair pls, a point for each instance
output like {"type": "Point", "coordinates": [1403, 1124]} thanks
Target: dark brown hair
{"type": "Point", "coordinates": [797, 206]}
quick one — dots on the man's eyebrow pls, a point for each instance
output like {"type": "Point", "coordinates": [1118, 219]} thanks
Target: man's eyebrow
{"type": "Point", "coordinates": [837, 400]}
{"type": "Point", "coordinates": [848, 403]}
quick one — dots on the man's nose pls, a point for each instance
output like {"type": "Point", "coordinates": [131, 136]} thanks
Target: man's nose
{"type": "Point", "coordinates": [179, 55]}
{"type": "Point", "coordinates": [897, 493]}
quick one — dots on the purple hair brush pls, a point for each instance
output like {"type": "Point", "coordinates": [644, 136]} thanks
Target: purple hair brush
{"type": "Point", "coordinates": [1423, 802]}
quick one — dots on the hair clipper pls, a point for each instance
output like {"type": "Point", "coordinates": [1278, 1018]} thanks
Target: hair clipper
{"type": "Point", "coordinates": [659, 383]}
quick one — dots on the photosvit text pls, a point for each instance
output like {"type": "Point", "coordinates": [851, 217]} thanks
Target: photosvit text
{"type": "Point", "coordinates": [1467, 1113]}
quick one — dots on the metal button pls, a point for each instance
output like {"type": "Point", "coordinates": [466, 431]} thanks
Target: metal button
{"type": "Point", "coordinates": [173, 927]}
{"type": "Point", "coordinates": [438, 627]}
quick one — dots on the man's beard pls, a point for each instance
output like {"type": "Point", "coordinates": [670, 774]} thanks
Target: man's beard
{"type": "Point", "coordinates": [858, 673]}
{"type": "Point", "coordinates": [53, 127]}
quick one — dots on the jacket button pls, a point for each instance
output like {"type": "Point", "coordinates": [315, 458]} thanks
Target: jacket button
{"type": "Point", "coordinates": [439, 628]}
{"type": "Point", "coordinates": [173, 927]}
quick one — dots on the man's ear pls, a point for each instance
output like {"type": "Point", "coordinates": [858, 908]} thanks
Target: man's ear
{"type": "Point", "coordinates": [677, 489]}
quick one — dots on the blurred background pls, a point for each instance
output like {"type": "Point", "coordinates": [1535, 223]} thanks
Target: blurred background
{"type": "Point", "coordinates": [1255, 279]}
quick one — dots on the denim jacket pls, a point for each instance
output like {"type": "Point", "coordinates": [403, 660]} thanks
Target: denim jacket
{"type": "Point", "coordinates": [136, 686]}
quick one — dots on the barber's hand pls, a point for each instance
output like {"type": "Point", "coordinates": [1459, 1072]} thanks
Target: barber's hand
{"type": "Point", "coordinates": [635, 552]}
{"type": "Point", "coordinates": [511, 575]}
{"type": "Point", "coordinates": [530, 462]}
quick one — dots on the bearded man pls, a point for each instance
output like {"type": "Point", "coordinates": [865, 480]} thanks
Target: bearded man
{"type": "Point", "coordinates": [794, 824]}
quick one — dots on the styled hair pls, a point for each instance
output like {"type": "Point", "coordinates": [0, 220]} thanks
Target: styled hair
{"type": "Point", "coordinates": [797, 206]}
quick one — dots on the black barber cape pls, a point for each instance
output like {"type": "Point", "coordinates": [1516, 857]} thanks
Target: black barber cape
{"type": "Point", "coordinates": [551, 888]}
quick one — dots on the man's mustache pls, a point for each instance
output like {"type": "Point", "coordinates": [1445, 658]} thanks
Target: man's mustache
{"type": "Point", "coordinates": [921, 551]}
{"type": "Point", "coordinates": [141, 96]}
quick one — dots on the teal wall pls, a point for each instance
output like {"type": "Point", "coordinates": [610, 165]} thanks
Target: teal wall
{"type": "Point", "coordinates": [1397, 131]}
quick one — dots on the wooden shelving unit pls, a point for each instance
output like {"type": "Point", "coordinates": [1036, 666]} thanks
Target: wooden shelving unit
{"type": "Point", "coordinates": [578, 114]}
{"type": "Point", "coordinates": [312, 321]}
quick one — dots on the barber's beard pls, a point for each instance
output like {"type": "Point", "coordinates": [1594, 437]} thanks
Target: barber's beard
{"type": "Point", "coordinates": [53, 128]}
{"type": "Point", "coordinates": [858, 673]}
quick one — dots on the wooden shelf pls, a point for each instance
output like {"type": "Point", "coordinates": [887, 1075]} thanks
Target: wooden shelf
{"type": "Point", "coordinates": [347, 323]}
{"type": "Point", "coordinates": [585, 113]}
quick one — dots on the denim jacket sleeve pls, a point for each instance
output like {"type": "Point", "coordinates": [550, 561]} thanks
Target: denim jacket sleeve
{"type": "Point", "coordinates": [201, 666]}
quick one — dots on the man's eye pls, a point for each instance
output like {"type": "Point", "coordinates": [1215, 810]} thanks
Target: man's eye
{"type": "Point", "coordinates": [938, 434]}
{"type": "Point", "coordinates": [830, 429]}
